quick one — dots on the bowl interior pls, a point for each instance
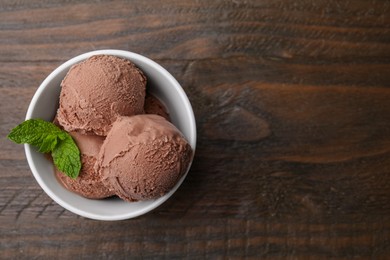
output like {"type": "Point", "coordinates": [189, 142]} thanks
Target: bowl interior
{"type": "Point", "coordinates": [44, 105]}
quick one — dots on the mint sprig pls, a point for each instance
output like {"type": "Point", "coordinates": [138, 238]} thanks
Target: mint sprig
{"type": "Point", "coordinates": [47, 137]}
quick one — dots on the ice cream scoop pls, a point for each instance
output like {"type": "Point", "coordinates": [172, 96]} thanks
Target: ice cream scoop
{"type": "Point", "coordinates": [143, 157]}
{"type": "Point", "coordinates": [154, 106]}
{"type": "Point", "coordinates": [97, 91]}
{"type": "Point", "coordinates": [88, 184]}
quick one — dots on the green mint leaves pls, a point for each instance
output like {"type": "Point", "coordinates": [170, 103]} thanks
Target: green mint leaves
{"type": "Point", "coordinates": [47, 137]}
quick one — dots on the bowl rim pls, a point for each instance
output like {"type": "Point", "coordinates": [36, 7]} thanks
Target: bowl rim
{"type": "Point", "coordinates": [127, 55]}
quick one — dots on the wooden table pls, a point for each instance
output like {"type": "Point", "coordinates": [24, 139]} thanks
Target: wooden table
{"type": "Point", "coordinates": [292, 103]}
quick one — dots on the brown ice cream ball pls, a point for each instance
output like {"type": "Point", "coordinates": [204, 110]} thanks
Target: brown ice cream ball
{"type": "Point", "coordinates": [88, 184]}
{"type": "Point", "coordinates": [143, 157]}
{"type": "Point", "coordinates": [154, 106]}
{"type": "Point", "coordinates": [98, 90]}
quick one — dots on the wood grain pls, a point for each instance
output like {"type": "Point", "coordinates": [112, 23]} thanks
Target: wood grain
{"type": "Point", "coordinates": [292, 106]}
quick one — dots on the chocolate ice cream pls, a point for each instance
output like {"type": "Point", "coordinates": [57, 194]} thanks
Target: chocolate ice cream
{"type": "Point", "coordinates": [143, 157]}
{"type": "Point", "coordinates": [154, 106]}
{"type": "Point", "coordinates": [98, 90]}
{"type": "Point", "coordinates": [88, 183]}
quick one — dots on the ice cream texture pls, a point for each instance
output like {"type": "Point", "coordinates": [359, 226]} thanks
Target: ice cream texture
{"type": "Point", "coordinates": [88, 183]}
{"type": "Point", "coordinates": [97, 91]}
{"type": "Point", "coordinates": [143, 157]}
{"type": "Point", "coordinates": [154, 106]}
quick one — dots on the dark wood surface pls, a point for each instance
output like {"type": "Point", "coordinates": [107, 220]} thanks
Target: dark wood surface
{"type": "Point", "coordinates": [292, 103]}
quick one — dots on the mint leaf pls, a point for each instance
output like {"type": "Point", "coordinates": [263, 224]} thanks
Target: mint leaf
{"type": "Point", "coordinates": [66, 157]}
{"type": "Point", "coordinates": [47, 137]}
{"type": "Point", "coordinates": [37, 132]}
{"type": "Point", "coordinates": [48, 143]}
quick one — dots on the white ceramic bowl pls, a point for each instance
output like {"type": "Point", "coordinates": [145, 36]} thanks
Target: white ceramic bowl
{"type": "Point", "coordinates": [44, 105]}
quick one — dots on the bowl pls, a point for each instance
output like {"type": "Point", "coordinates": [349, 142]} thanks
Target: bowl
{"type": "Point", "coordinates": [44, 105]}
